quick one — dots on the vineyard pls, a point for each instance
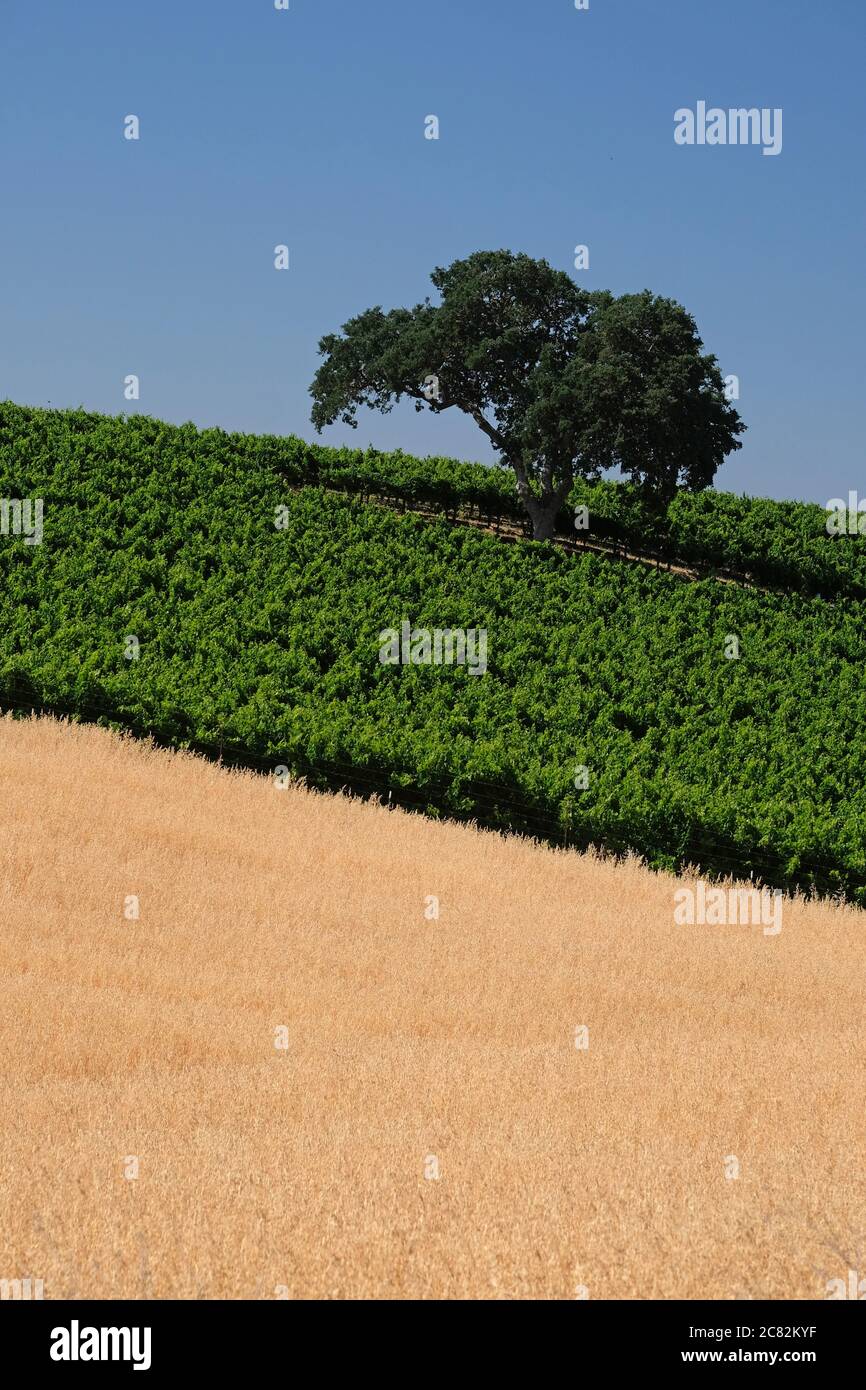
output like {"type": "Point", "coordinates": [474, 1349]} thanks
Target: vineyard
{"type": "Point", "coordinates": [255, 595]}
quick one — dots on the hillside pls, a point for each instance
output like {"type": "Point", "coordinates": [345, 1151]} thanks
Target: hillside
{"type": "Point", "coordinates": [188, 587]}
{"type": "Point", "coordinates": [413, 1045]}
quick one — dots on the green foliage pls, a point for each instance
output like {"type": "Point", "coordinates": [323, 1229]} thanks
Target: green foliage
{"type": "Point", "coordinates": [265, 641]}
{"type": "Point", "coordinates": [783, 544]}
{"type": "Point", "coordinates": [565, 384]}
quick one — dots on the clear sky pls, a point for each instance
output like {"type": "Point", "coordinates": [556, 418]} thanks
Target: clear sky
{"type": "Point", "coordinates": [306, 127]}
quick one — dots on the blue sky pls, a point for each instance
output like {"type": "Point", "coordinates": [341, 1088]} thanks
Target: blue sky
{"type": "Point", "coordinates": [306, 128]}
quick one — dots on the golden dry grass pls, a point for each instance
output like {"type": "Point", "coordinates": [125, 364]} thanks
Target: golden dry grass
{"type": "Point", "coordinates": [303, 1169]}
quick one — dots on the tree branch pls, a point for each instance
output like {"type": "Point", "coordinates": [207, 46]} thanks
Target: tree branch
{"type": "Point", "coordinates": [492, 433]}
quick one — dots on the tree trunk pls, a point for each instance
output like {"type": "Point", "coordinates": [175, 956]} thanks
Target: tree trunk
{"type": "Point", "coordinates": [543, 510]}
{"type": "Point", "coordinates": [543, 515]}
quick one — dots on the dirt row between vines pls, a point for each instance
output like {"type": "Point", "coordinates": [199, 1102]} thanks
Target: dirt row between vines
{"type": "Point", "coordinates": [508, 530]}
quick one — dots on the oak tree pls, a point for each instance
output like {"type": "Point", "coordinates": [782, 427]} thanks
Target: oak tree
{"type": "Point", "coordinates": [565, 383]}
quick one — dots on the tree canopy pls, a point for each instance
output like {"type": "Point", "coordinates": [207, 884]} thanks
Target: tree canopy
{"type": "Point", "coordinates": [565, 383]}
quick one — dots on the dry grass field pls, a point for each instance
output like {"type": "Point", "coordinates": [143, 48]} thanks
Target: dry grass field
{"type": "Point", "coordinates": [413, 1045]}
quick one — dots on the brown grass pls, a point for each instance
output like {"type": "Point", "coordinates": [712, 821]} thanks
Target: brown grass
{"type": "Point", "coordinates": [262, 1170]}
